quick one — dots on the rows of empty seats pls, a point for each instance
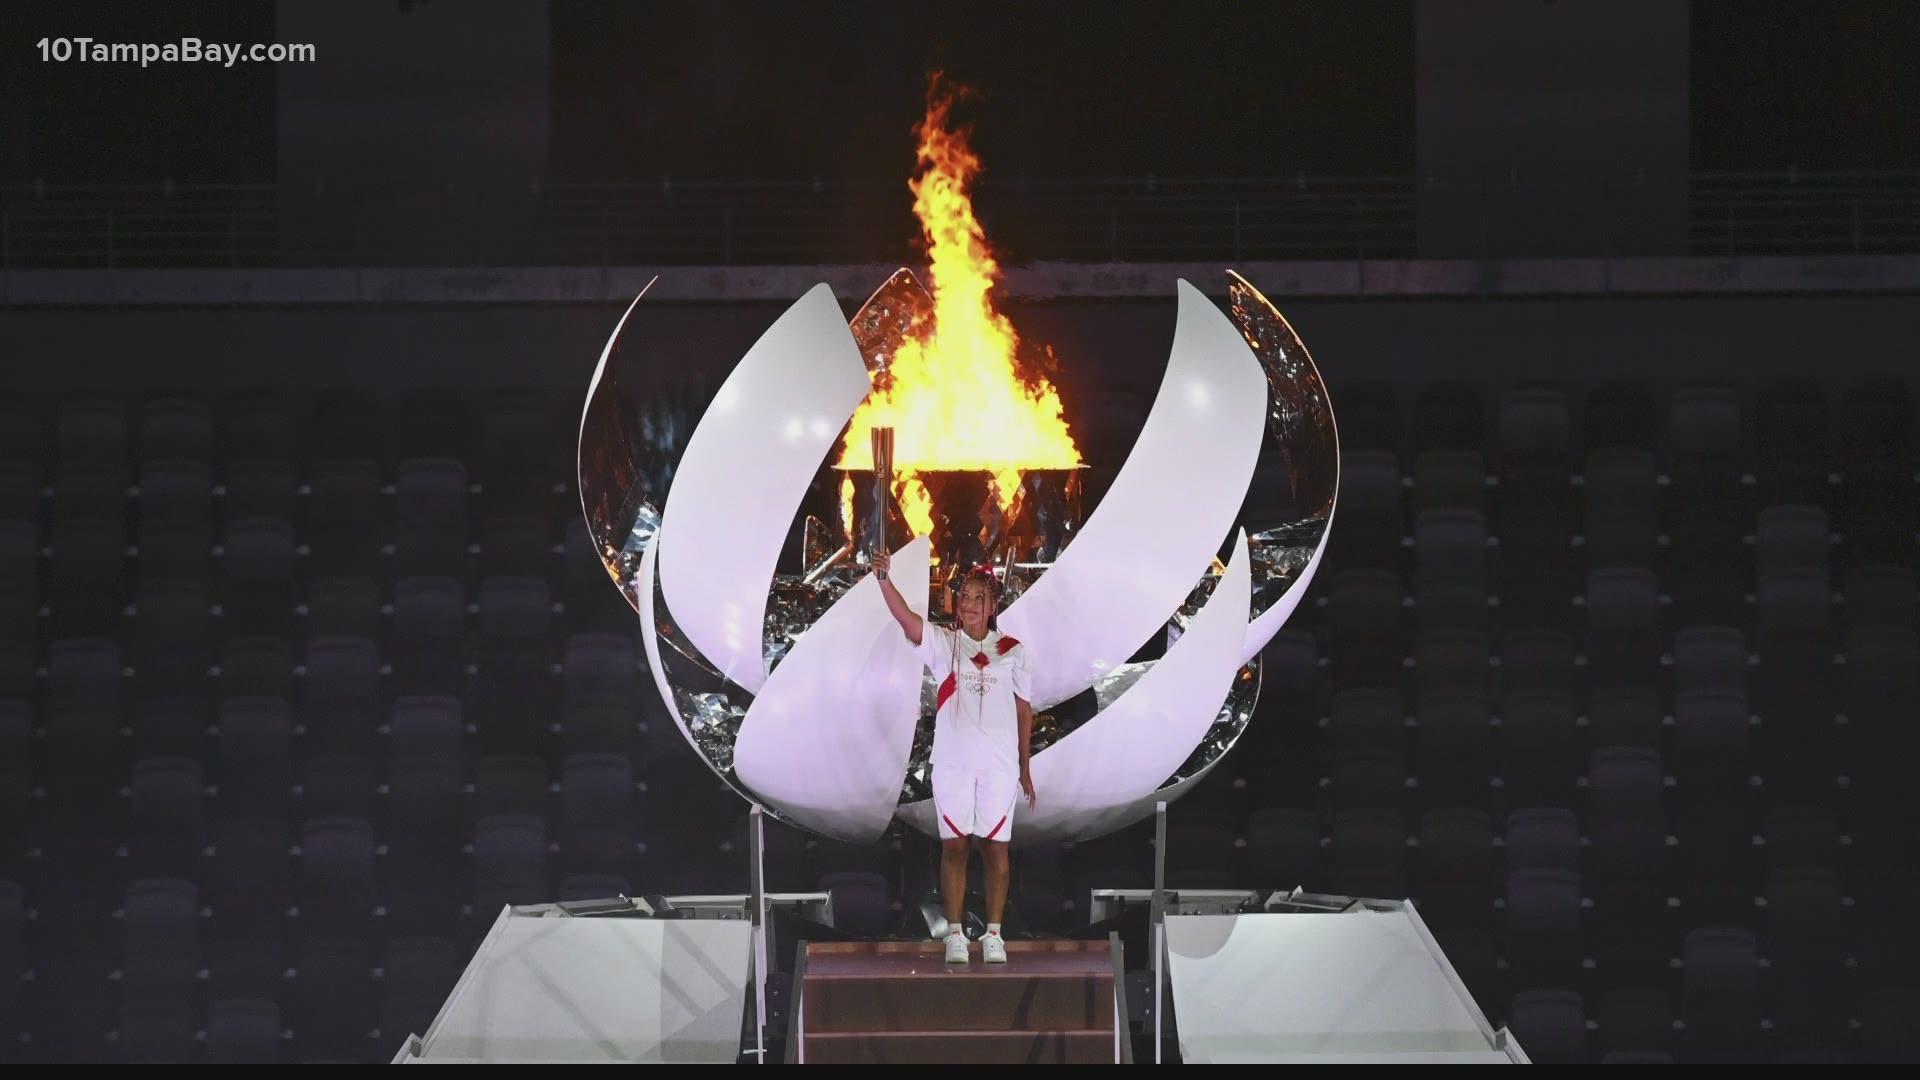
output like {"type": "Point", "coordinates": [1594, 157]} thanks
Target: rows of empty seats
{"type": "Point", "coordinates": [294, 693]}
{"type": "Point", "coordinates": [296, 699]}
{"type": "Point", "coordinates": [1620, 690]}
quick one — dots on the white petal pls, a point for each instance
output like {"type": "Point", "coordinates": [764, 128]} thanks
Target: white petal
{"type": "Point", "coordinates": [745, 470]}
{"type": "Point", "coordinates": [828, 737]}
{"type": "Point", "coordinates": [1160, 524]}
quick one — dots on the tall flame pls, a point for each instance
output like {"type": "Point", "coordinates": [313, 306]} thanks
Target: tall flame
{"type": "Point", "coordinates": [954, 395]}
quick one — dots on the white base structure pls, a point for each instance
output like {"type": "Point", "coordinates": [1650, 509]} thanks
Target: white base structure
{"type": "Point", "coordinates": [1364, 983]}
{"type": "Point", "coordinates": [596, 990]}
{"type": "Point", "coordinates": [1328, 979]}
{"type": "Point", "coordinates": [583, 983]}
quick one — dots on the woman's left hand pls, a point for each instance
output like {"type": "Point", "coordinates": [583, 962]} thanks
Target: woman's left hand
{"type": "Point", "coordinates": [1026, 785]}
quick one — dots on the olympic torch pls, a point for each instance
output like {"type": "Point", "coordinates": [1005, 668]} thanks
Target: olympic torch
{"type": "Point", "coordinates": [882, 489]}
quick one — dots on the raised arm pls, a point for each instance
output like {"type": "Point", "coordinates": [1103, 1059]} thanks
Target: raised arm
{"type": "Point", "coordinates": [910, 623]}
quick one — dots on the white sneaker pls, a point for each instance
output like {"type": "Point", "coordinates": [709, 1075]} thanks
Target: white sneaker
{"type": "Point", "coordinates": [957, 948]}
{"type": "Point", "coordinates": [992, 949]}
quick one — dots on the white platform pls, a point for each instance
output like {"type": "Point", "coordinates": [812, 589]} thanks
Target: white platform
{"type": "Point", "coordinates": [548, 988]}
{"type": "Point", "coordinates": [1363, 985]}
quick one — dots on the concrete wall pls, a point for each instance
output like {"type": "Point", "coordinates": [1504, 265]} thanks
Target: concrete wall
{"type": "Point", "coordinates": [428, 123]}
{"type": "Point", "coordinates": [1551, 127]}
{"type": "Point", "coordinates": [1111, 343]}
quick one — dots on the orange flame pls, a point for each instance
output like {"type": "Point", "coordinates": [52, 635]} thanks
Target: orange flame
{"type": "Point", "coordinates": [915, 505]}
{"type": "Point", "coordinates": [955, 397]}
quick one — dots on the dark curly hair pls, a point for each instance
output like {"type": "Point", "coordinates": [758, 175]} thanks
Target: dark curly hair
{"type": "Point", "coordinates": [984, 575]}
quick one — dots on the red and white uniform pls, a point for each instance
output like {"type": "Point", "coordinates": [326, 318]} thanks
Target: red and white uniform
{"type": "Point", "coordinates": [976, 729]}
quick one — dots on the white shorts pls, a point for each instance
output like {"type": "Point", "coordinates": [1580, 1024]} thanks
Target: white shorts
{"type": "Point", "coordinates": [974, 804]}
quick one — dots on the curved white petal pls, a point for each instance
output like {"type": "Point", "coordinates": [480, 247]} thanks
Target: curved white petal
{"type": "Point", "coordinates": [746, 468]}
{"type": "Point", "coordinates": [828, 737]}
{"type": "Point", "coordinates": [1114, 764]}
{"type": "Point", "coordinates": [1159, 525]}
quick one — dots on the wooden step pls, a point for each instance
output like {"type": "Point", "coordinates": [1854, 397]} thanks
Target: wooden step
{"type": "Point", "coordinates": [959, 1047]}
{"type": "Point", "coordinates": [906, 987]}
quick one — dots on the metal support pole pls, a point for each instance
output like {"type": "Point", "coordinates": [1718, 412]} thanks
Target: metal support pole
{"type": "Point", "coordinates": [1159, 927]}
{"type": "Point", "coordinates": [757, 878]}
{"type": "Point", "coordinates": [797, 1002]}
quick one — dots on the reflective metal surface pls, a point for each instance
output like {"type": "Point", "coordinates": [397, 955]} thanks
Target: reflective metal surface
{"type": "Point", "coordinates": [887, 318]}
{"type": "Point", "coordinates": [626, 442]}
{"type": "Point", "coordinates": [1299, 416]}
{"type": "Point", "coordinates": [1300, 421]}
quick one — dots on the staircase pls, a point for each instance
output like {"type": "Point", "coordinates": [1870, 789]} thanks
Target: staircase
{"type": "Point", "coordinates": [899, 1002]}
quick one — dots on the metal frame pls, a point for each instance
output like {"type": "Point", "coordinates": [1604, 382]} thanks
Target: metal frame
{"type": "Point", "coordinates": [1157, 927]}
{"type": "Point", "coordinates": [756, 836]}
{"type": "Point", "coordinates": [797, 1019]}
{"type": "Point", "coordinates": [1109, 902]}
